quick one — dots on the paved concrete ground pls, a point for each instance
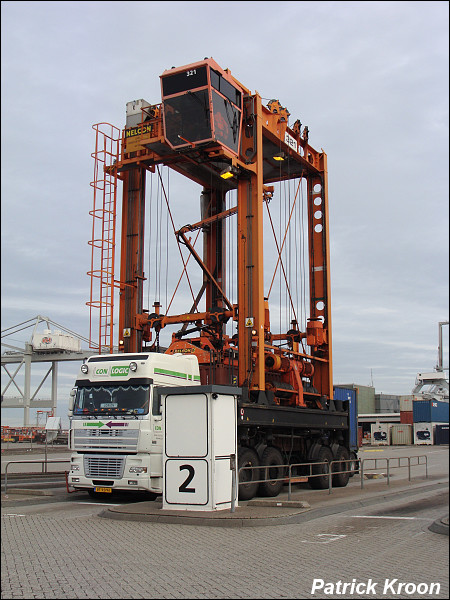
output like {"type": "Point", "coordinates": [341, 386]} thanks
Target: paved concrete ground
{"type": "Point", "coordinates": [54, 555]}
{"type": "Point", "coordinates": [379, 535]}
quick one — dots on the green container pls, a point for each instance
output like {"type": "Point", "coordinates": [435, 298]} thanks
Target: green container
{"type": "Point", "coordinates": [365, 397]}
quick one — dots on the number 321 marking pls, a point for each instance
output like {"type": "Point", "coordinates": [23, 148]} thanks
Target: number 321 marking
{"type": "Point", "coordinates": [193, 72]}
{"type": "Point", "coordinates": [183, 487]}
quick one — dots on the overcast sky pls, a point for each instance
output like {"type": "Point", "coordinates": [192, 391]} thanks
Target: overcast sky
{"type": "Point", "coordinates": [370, 79]}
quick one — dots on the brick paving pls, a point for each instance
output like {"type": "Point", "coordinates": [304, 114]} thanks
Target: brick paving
{"type": "Point", "coordinates": [64, 555]}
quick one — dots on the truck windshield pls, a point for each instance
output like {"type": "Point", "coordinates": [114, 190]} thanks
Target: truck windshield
{"type": "Point", "coordinates": [112, 399]}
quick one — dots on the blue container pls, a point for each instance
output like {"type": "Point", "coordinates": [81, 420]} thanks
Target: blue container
{"type": "Point", "coordinates": [430, 411]}
{"type": "Point", "coordinates": [349, 395]}
{"type": "Point", "coordinates": [441, 434]}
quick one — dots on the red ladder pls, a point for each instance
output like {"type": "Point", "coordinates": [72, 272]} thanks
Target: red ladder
{"type": "Point", "coordinates": [103, 242]}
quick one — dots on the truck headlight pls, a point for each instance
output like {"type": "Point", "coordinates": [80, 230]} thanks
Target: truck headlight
{"type": "Point", "coordinates": [75, 467]}
{"type": "Point", "coordinates": [133, 366]}
{"type": "Point", "coordinates": [84, 369]}
{"type": "Point", "coordinates": [138, 469]}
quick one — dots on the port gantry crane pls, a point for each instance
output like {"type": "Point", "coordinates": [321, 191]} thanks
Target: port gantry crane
{"type": "Point", "coordinates": [214, 131]}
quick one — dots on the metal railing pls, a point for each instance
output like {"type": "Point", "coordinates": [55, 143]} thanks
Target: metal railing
{"type": "Point", "coordinates": [389, 467]}
{"type": "Point", "coordinates": [357, 465]}
{"type": "Point", "coordinates": [43, 461]}
{"type": "Point", "coordinates": [289, 478]}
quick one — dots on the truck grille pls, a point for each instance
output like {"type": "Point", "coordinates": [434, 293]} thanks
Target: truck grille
{"type": "Point", "coordinates": [106, 439]}
{"type": "Point", "coordinates": [104, 466]}
{"type": "Point", "coordinates": [104, 433]}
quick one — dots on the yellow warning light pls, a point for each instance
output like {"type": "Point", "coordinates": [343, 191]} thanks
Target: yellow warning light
{"type": "Point", "coordinates": [229, 172]}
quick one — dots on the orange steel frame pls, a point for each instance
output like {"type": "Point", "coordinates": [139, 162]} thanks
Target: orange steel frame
{"type": "Point", "coordinates": [262, 365]}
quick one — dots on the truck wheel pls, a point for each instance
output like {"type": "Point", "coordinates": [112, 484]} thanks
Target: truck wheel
{"type": "Point", "coordinates": [341, 479]}
{"type": "Point", "coordinates": [248, 458]}
{"type": "Point", "coordinates": [150, 496]}
{"type": "Point", "coordinates": [272, 459]}
{"type": "Point", "coordinates": [354, 470]}
{"type": "Point", "coordinates": [321, 483]}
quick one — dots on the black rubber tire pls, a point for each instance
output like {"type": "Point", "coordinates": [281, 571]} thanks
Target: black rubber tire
{"type": "Point", "coordinates": [321, 483]}
{"type": "Point", "coordinates": [248, 458]}
{"type": "Point", "coordinates": [150, 496]}
{"type": "Point", "coordinates": [354, 470]}
{"type": "Point", "coordinates": [271, 458]}
{"type": "Point", "coordinates": [341, 479]}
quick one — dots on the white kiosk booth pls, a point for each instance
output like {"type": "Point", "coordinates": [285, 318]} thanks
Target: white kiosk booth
{"type": "Point", "coordinates": [199, 447]}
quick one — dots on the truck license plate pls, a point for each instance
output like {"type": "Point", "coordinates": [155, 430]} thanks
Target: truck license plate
{"type": "Point", "coordinates": [104, 490]}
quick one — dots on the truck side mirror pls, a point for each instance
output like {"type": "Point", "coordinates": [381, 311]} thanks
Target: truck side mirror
{"type": "Point", "coordinates": [72, 399]}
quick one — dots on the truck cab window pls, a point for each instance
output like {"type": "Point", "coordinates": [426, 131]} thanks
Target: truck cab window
{"type": "Point", "coordinates": [112, 399]}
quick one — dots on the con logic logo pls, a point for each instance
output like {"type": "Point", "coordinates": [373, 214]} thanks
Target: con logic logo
{"type": "Point", "coordinates": [119, 371]}
{"type": "Point", "coordinates": [101, 371]}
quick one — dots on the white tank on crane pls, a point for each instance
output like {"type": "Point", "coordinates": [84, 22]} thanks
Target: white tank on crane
{"type": "Point", "coordinates": [57, 341]}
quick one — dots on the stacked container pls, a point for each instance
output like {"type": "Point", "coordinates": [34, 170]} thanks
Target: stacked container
{"type": "Point", "coordinates": [429, 414]}
{"type": "Point", "coordinates": [406, 409]}
{"type": "Point", "coordinates": [365, 397]}
{"type": "Point", "coordinates": [387, 403]}
{"type": "Point", "coordinates": [406, 417]}
{"type": "Point", "coordinates": [430, 411]}
{"type": "Point", "coordinates": [441, 434]}
{"type": "Point", "coordinates": [401, 435]}
{"type": "Point", "coordinates": [380, 435]}
{"type": "Point", "coordinates": [423, 434]}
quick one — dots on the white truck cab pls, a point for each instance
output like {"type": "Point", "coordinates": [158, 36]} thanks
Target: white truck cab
{"type": "Point", "coordinates": [115, 420]}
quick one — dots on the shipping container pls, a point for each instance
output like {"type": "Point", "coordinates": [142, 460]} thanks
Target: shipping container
{"type": "Point", "coordinates": [406, 403]}
{"type": "Point", "coordinates": [406, 416]}
{"type": "Point", "coordinates": [56, 341]}
{"type": "Point", "coordinates": [430, 411]}
{"type": "Point", "coordinates": [423, 434]}
{"type": "Point", "coordinates": [387, 403]}
{"type": "Point", "coordinates": [365, 397]}
{"type": "Point", "coordinates": [348, 397]}
{"type": "Point", "coordinates": [401, 435]}
{"type": "Point", "coordinates": [360, 436]}
{"type": "Point", "coordinates": [380, 434]}
{"type": "Point", "coordinates": [441, 434]}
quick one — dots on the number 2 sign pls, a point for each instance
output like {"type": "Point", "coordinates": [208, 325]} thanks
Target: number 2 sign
{"type": "Point", "coordinates": [199, 441]}
{"type": "Point", "coordinates": [186, 481]}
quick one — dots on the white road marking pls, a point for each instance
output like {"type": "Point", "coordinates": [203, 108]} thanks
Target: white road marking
{"type": "Point", "coordinates": [386, 517]}
{"type": "Point", "coordinates": [326, 538]}
{"type": "Point", "coordinates": [97, 503]}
